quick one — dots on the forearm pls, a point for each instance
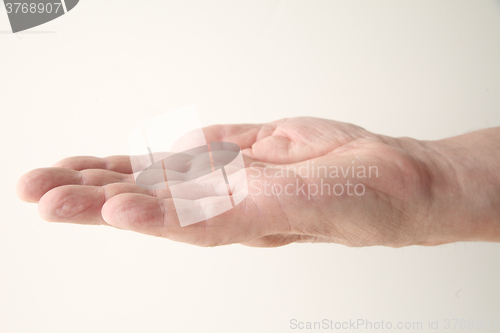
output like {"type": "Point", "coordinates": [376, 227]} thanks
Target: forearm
{"type": "Point", "coordinates": [465, 186]}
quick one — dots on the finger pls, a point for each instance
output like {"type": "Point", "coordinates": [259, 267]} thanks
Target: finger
{"type": "Point", "coordinates": [275, 149]}
{"type": "Point", "coordinates": [120, 164]}
{"type": "Point", "coordinates": [34, 184]}
{"type": "Point", "coordinates": [299, 139]}
{"type": "Point", "coordinates": [112, 163]}
{"type": "Point", "coordinates": [281, 149]}
{"type": "Point", "coordinates": [243, 135]}
{"type": "Point", "coordinates": [82, 204]}
{"type": "Point", "coordinates": [158, 217]}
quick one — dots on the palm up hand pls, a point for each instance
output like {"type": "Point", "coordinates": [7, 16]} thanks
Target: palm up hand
{"type": "Point", "coordinates": [294, 195]}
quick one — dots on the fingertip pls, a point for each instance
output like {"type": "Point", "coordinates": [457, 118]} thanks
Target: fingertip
{"type": "Point", "coordinates": [66, 204]}
{"type": "Point", "coordinates": [49, 205]}
{"type": "Point", "coordinates": [274, 149]}
{"type": "Point", "coordinates": [34, 184]}
{"type": "Point", "coordinates": [28, 186]}
{"type": "Point", "coordinates": [107, 211]}
{"type": "Point", "coordinates": [44, 209]}
{"type": "Point", "coordinates": [132, 211]}
{"type": "Point", "coordinates": [23, 191]}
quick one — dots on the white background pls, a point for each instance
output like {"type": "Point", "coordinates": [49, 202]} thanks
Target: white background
{"type": "Point", "coordinates": [80, 84]}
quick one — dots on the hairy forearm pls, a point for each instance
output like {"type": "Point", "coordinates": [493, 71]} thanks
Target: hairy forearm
{"type": "Point", "coordinates": [465, 187]}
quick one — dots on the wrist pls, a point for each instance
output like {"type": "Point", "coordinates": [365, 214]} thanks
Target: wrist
{"type": "Point", "coordinates": [465, 187]}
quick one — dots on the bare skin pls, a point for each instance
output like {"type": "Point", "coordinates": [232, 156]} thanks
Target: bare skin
{"type": "Point", "coordinates": [424, 192]}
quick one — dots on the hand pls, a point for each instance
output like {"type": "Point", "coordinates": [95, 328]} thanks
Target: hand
{"type": "Point", "coordinates": [310, 180]}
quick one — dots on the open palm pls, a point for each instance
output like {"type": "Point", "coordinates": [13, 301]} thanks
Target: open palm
{"type": "Point", "coordinates": [309, 180]}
